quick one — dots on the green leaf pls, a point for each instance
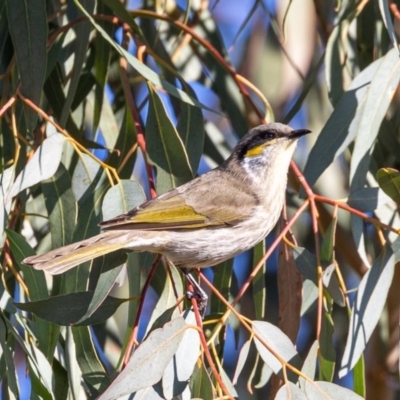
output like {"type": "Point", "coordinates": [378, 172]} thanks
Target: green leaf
{"type": "Point", "coordinates": [121, 198]}
{"type": "Point", "coordinates": [378, 98]}
{"type": "Point", "coordinates": [61, 207]}
{"type": "Point", "coordinates": [290, 391]}
{"type": "Point", "coordinates": [387, 20]}
{"type": "Point", "coordinates": [109, 267]}
{"type": "Point", "coordinates": [141, 68]}
{"type": "Point", "coordinates": [43, 165]}
{"type": "Point", "coordinates": [148, 362]}
{"type": "Point", "coordinates": [306, 263]}
{"type": "Point", "coordinates": [325, 390]}
{"type": "Point", "coordinates": [201, 385]}
{"type": "Point", "coordinates": [126, 140]}
{"type": "Point", "coordinates": [27, 22]}
{"type": "Point", "coordinates": [180, 368]}
{"type": "Point", "coordinates": [327, 354]}
{"type": "Point", "coordinates": [191, 130]}
{"type": "Point", "coordinates": [243, 356]}
{"type": "Point", "coordinates": [328, 244]}
{"type": "Point", "coordinates": [389, 181]}
{"type": "Point", "coordinates": [92, 369]}
{"type": "Point", "coordinates": [277, 341]}
{"type": "Point", "coordinates": [47, 334]}
{"type": "Point", "coordinates": [310, 364]}
{"type": "Point", "coordinates": [164, 147]}
{"type": "Point", "coordinates": [258, 284]}
{"type": "Point", "coordinates": [82, 32]}
{"type": "Point", "coordinates": [359, 377]}
{"type": "Point", "coordinates": [368, 199]}
{"type": "Point", "coordinates": [68, 309]}
{"type": "Point", "coordinates": [342, 126]}
{"type": "Point", "coordinates": [222, 280]}
{"type": "Point", "coordinates": [7, 355]}
{"type": "Point", "coordinates": [367, 308]}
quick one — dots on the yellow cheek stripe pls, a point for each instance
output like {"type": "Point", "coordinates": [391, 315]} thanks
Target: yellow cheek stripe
{"type": "Point", "coordinates": [256, 151]}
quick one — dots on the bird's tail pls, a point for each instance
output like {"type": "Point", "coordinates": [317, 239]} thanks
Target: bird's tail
{"type": "Point", "coordinates": [64, 258]}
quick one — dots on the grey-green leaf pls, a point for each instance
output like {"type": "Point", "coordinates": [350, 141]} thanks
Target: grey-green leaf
{"type": "Point", "coordinates": [68, 309]}
{"type": "Point", "coordinates": [147, 365]}
{"type": "Point", "coordinates": [121, 198]}
{"type": "Point", "coordinates": [277, 341]}
{"type": "Point", "coordinates": [27, 21]}
{"type": "Point", "coordinates": [367, 308]}
{"type": "Point", "coordinates": [164, 147]}
{"type": "Point", "coordinates": [41, 166]}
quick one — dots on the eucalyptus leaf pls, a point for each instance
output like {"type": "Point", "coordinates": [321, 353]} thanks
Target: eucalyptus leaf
{"type": "Point", "coordinates": [27, 22]}
{"type": "Point", "coordinates": [68, 309]}
{"type": "Point", "coordinates": [121, 198]}
{"type": "Point", "coordinates": [43, 164]}
{"type": "Point", "coordinates": [290, 391]}
{"type": "Point", "coordinates": [277, 341]}
{"type": "Point", "coordinates": [146, 366]}
{"type": "Point", "coordinates": [367, 308]}
{"type": "Point", "coordinates": [325, 390]}
{"type": "Point", "coordinates": [389, 181]}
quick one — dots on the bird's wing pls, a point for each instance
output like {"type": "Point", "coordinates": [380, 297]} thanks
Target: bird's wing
{"type": "Point", "coordinates": [190, 206]}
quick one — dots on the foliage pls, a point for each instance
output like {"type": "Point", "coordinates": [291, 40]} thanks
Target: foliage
{"type": "Point", "coordinates": [104, 104]}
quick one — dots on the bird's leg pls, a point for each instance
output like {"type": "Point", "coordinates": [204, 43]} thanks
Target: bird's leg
{"type": "Point", "coordinates": [198, 293]}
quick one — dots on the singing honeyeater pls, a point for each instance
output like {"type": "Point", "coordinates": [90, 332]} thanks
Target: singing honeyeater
{"type": "Point", "coordinates": [205, 221]}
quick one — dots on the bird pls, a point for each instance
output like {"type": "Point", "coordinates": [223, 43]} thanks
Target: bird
{"type": "Point", "coordinates": [205, 221]}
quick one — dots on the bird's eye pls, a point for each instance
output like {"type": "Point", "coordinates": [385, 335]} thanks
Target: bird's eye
{"type": "Point", "coordinates": [269, 135]}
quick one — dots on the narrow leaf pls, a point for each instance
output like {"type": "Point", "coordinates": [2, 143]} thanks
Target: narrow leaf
{"type": "Point", "coordinates": [378, 98]}
{"type": "Point", "coordinates": [67, 309]}
{"type": "Point", "coordinates": [164, 147]}
{"type": "Point", "coordinates": [121, 198]}
{"type": "Point", "coordinates": [372, 198]}
{"type": "Point", "coordinates": [389, 182]}
{"type": "Point", "coordinates": [342, 126]}
{"type": "Point", "coordinates": [178, 371]}
{"type": "Point", "coordinates": [290, 391]}
{"type": "Point", "coordinates": [147, 365]}
{"type": "Point", "coordinates": [277, 341]}
{"type": "Point", "coordinates": [329, 391]}
{"type": "Point", "coordinates": [367, 308]}
{"type": "Point", "coordinates": [43, 165]}
{"type": "Point", "coordinates": [27, 22]}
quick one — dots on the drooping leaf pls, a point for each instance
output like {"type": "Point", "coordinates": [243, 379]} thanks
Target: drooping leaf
{"type": "Point", "coordinates": [310, 364]}
{"type": "Point", "coordinates": [147, 365]}
{"type": "Point", "coordinates": [369, 199]}
{"type": "Point", "coordinates": [290, 391]}
{"type": "Point", "coordinates": [277, 341]}
{"type": "Point", "coordinates": [377, 100]}
{"type": "Point", "coordinates": [342, 126]}
{"type": "Point", "coordinates": [389, 182]}
{"type": "Point", "coordinates": [61, 207]}
{"type": "Point", "coordinates": [82, 32]}
{"type": "Point", "coordinates": [259, 288]}
{"type": "Point", "coordinates": [325, 390]}
{"type": "Point", "coordinates": [164, 147]}
{"type": "Point", "coordinates": [243, 355]}
{"type": "Point", "coordinates": [180, 368]}
{"type": "Point", "coordinates": [367, 308]}
{"type": "Point", "coordinates": [43, 164]}
{"type": "Point", "coordinates": [47, 333]}
{"type": "Point", "coordinates": [85, 354]}
{"type": "Point", "coordinates": [68, 309]}
{"type": "Point", "coordinates": [121, 198]}
{"type": "Point", "coordinates": [27, 22]}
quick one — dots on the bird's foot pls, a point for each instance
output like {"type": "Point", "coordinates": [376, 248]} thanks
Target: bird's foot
{"type": "Point", "coordinates": [198, 293]}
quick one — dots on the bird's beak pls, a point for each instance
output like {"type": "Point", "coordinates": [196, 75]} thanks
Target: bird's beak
{"type": "Point", "coordinates": [298, 133]}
